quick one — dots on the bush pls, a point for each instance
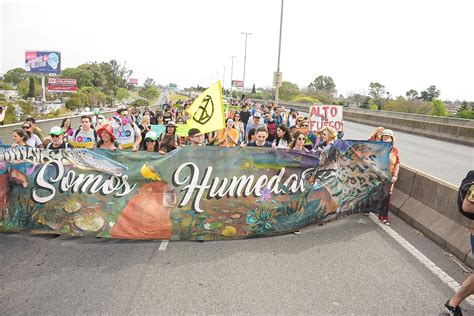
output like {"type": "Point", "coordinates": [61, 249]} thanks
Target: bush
{"type": "Point", "coordinates": [5, 85]}
{"type": "Point", "coordinates": [305, 99]}
{"type": "Point", "coordinates": [2, 97]}
{"type": "Point", "coordinates": [140, 102]}
{"type": "Point", "coordinates": [466, 114]}
{"type": "Point", "coordinates": [400, 104]}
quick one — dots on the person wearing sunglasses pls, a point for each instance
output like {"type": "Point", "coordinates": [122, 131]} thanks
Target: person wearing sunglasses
{"type": "Point", "coordinates": [57, 136]}
{"type": "Point", "coordinates": [298, 142]}
{"type": "Point", "coordinates": [151, 145]}
{"type": "Point", "coordinates": [33, 140]}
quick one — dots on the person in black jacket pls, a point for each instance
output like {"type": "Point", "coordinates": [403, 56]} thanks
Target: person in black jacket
{"type": "Point", "coordinates": [466, 207]}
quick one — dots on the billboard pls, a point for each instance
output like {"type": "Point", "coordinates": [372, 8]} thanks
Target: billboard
{"type": "Point", "coordinates": [62, 85]}
{"type": "Point", "coordinates": [133, 81]}
{"type": "Point", "coordinates": [43, 62]}
{"type": "Point", "coordinates": [325, 115]}
{"type": "Point", "coordinates": [237, 83]}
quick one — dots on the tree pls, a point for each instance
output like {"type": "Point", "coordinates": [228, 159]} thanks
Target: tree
{"type": "Point", "coordinates": [31, 88]}
{"type": "Point", "coordinates": [412, 94]}
{"type": "Point", "coordinates": [15, 75]}
{"type": "Point", "coordinates": [378, 92]}
{"type": "Point", "coordinates": [83, 76]}
{"type": "Point", "coordinates": [149, 92]}
{"type": "Point", "coordinates": [430, 94]}
{"type": "Point", "coordinates": [288, 91]}
{"type": "Point", "coordinates": [439, 109]}
{"type": "Point", "coordinates": [253, 89]}
{"type": "Point", "coordinates": [149, 82]}
{"type": "Point", "coordinates": [122, 93]}
{"type": "Point", "coordinates": [323, 84]}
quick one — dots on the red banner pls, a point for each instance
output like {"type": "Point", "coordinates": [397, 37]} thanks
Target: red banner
{"type": "Point", "coordinates": [62, 85]}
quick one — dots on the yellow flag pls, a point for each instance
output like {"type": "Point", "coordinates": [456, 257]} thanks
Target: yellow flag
{"type": "Point", "coordinates": [207, 110]}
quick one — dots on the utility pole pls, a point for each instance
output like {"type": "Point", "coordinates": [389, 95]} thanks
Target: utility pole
{"type": "Point", "coordinates": [223, 80]}
{"type": "Point", "coordinates": [277, 78]}
{"type": "Point", "coordinates": [245, 60]}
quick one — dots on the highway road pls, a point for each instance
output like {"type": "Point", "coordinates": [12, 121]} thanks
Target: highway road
{"type": "Point", "coordinates": [447, 161]}
{"type": "Point", "coordinates": [348, 267]}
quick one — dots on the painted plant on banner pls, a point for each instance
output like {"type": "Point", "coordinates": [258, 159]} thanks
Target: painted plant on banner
{"type": "Point", "coordinates": [203, 193]}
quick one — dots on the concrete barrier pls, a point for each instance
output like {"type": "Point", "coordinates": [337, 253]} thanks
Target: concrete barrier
{"type": "Point", "coordinates": [453, 133]}
{"type": "Point", "coordinates": [429, 205]}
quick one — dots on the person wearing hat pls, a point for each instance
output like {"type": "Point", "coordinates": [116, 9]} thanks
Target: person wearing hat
{"type": "Point", "coordinates": [387, 136]}
{"type": "Point", "coordinates": [107, 138]}
{"type": "Point", "coordinates": [466, 207]}
{"type": "Point", "coordinates": [57, 136]}
{"type": "Point", "coordinates": [195, 137]}
{"type": "Point", "coordinates": [255, 122]}
{"type": "Point", "coordinates": [151, 144]}
{"type": "Point", "coordinates": [169, 140]}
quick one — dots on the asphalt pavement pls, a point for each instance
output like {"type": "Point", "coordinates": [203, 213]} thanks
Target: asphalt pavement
{"type": "Point", "coordinates": [347, 267]}
{"type": "Point", "coordinates": [447, 161]}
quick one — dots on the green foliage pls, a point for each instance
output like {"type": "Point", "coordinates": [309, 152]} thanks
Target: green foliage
{"type": "Point", "coordinates": [324, 84]}
{"type": "Point", "coordinates": [466, 114]}
{"type": "Point", "coordinates": [288, 90]}
{"type": "Point", "coordinates": [439, 109]}
{"type": "Point", "coordinates": [378, 92]}
{"type": "Point", "coordinates": [31, 88]}
{"type": "Point", "coordinates": [400, 104]}
{"type": "Point", "coordinates": [305, 99]}
{"type": "Point", "coordinates": [430, 94]}
{"type": "Point", "coordinates": [15, 75]}
{"type": "Point", "coordinates": [84, 76]}
{"type": "Point", "coordinates": [140, 102]}
{"type": "Point", "coordinates": [5, 85]}
{"type": "Point", "coordinates": [78, 101]}
{"type": "Point", "coordinates": [149, 92]}
{"type": "Point", "coordinates": [258, 96]}
{"type": "Point", "coordinates": [122, 93]}
{"type": "Point", "coordinates": [10, 116]}
{"type": "Point", "coordinates": [2, 97]}
{"type": "Point", "coordinates": [412, 94]}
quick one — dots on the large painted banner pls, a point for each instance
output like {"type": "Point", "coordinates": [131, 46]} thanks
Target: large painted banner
{"type": "Point", "coordinates": [193, 193]}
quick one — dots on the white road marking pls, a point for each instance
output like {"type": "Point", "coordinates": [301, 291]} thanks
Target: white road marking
{"type": "Point", "coordinates": [163, 245]}
{"type": "Point", "coordinates": [443, 276]}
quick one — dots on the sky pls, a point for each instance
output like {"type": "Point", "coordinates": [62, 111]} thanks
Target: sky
{"type": "Point", "coordinates": [403, 44]}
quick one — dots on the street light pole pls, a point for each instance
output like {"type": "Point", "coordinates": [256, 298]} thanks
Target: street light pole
{"type": "Point", "coordinates": [223, 80]}
{"type": "Point", "coordinates": [278, 78]}
{"type": "Point", "coordinates": [231, 74]}
{"type": "Point", "coordinates": [245, 60]}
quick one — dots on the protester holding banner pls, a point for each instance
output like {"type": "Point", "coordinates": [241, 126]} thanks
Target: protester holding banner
{"type": "Point", "coordinates": [261, 135]}
{"type": "Point", "coordinates": [195, 137]}
{"type": "Point", "coordinates": [33, 140]}
{"type": "Point", "coordinates": [66, 126]}
{"type": "Point", "coordinates": [151, 143]}
{"type": "Point", "coordinates": [283, 137]}
{"type": "Point", "coordinates": [169, 140]}
{"type": "Point", "coordinates": [57, 137]}
{"type": "Point", "coordinates": [387, 136]}
{"type": "Point", "coordinates": [229, 136]}
{"type": "Point", "coordinates": [328, 136]}
{"type": "Point", "coordinates": [85, 136]}
{"type": "Point", "coordinates": [107, 138]}
{"type": "Point", "coordinates": [19, 138]}
{"type": "Point", "coordinates": [298, 141]}
{"type": "Point", "coordinates": [36, 130]}
{"type": "Point", "coordinates": [377, 134]}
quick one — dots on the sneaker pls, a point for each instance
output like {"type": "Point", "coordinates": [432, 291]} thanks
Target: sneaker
{"type": "Point", "coordinates": [297, 232]}
{"type": "Point", "coordinates": [455, 311]}
{"type": "Point", "coordinates": [386, 222]}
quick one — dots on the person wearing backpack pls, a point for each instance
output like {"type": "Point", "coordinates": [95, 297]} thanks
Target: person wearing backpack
{"type": "Point", "coordinates": [57, 135]}
{"type": "Point", "coordinates": [466, 207]}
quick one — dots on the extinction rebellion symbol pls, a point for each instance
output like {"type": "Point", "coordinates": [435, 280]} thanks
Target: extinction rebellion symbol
{"type": "Point", "coordinates": [205, 111]}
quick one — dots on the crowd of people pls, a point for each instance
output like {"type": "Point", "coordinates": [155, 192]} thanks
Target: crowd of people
{"type": "Point", "coordinates": [247, 124]}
